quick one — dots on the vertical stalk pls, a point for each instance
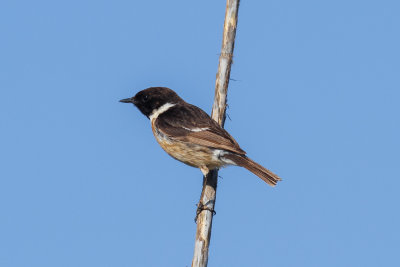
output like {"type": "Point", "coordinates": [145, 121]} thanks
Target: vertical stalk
{"type": "Point", "coordinates": [208, 194]}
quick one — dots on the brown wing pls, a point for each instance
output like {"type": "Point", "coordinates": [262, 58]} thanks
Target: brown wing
{"type": "Point", "coordinates": [188, 123]}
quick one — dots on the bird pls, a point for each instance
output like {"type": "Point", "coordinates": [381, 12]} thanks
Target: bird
{"type": "Point", "coordinates": [190, 135]}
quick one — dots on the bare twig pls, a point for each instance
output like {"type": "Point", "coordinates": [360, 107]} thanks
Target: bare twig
{"type": "Point", "coordinates": [208, 194]}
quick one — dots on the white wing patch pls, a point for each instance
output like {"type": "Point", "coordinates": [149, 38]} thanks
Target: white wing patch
{"type": "Point", "coordinates": [160, 110]}
{"type": "Point", "coordinates": [196, 129]}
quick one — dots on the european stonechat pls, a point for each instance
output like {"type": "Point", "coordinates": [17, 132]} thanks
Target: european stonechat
{"type": "Point", "coordinates": [190, 135]}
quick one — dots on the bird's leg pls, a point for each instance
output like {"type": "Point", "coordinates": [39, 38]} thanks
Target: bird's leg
{"type": "Point", "coordinates": [201, 206]}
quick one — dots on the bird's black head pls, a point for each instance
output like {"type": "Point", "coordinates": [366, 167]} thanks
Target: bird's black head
{"type": "Point", "coordinates": [152, 98]}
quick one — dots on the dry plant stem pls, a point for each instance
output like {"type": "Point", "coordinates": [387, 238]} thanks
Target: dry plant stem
{"type": "Point", "coordinates": [208, 195]}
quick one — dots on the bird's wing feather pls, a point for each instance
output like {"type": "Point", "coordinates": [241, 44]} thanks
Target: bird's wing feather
{"type": "Point", "coordinates": [190, 124]}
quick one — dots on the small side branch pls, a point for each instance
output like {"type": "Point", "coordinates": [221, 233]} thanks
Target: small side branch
{"type": "Point", "coordinates": [208, 194]}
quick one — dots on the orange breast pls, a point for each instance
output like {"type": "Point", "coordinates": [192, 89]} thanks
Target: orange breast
{"type": "Point", "coordinates": [190, 154]}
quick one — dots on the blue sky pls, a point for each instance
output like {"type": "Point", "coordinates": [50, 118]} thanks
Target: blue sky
{"type": "Point", "coordinates": [315, 99]}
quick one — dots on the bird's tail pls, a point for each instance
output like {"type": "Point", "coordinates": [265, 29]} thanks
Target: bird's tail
{"type": "Point", "coordinates": [243, 161]}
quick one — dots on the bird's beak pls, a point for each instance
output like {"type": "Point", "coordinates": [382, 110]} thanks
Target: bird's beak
{"type": "Point", "coordinates": [128, 100]}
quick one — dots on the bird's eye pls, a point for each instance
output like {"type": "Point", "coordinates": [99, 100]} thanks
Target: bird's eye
{"type": "Point", "coordinates": [145, 98]}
